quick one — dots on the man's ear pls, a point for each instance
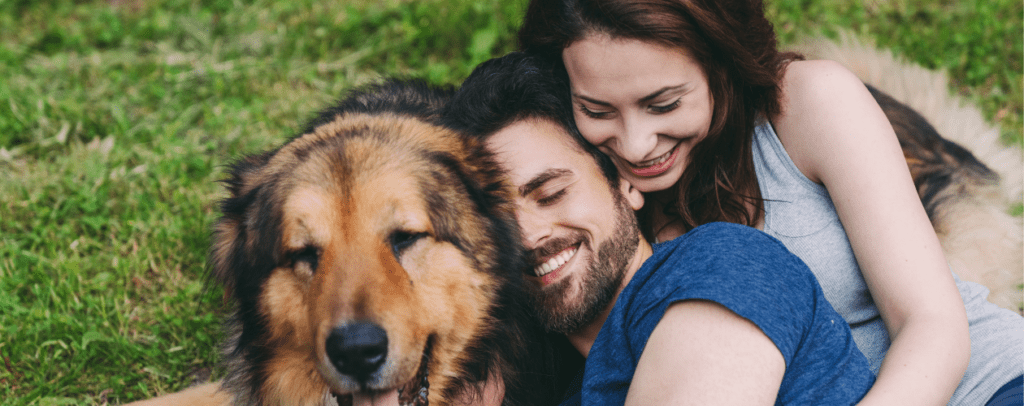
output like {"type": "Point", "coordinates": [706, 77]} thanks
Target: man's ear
{"type": "Point", "coordinates": [632, 195]}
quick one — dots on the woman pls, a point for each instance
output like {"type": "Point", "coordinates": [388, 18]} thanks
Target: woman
{"type": "Point", "coordinates": [699, 110]}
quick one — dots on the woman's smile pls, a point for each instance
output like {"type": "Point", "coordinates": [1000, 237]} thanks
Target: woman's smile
{"type": "Point", "coordinates": [657, 166]}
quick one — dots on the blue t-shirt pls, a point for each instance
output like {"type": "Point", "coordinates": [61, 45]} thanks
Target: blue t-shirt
{"type": "Point", "coordinates": [753, 275]}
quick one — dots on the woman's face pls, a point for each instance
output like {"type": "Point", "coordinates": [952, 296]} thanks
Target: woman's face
{"type": "Point", "coordinates": [643, 104]}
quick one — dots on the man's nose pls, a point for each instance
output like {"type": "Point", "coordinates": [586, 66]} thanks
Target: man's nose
{"type": "Point", "coordinates": [534, 226]}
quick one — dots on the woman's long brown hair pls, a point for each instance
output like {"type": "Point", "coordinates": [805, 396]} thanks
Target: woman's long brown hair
{"type": "Point", "coordinates": [737, 48]}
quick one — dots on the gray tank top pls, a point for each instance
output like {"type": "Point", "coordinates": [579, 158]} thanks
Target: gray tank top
{"type": "Point", "coordinates": [800, 213]}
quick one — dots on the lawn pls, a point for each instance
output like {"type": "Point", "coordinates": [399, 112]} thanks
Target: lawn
{"type": "Point", "coordinates": [117, 118]}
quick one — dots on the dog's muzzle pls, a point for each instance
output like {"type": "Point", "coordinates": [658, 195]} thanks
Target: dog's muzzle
{"type": "Point", "coordinates": [357, 349]}
{"type": "Point", "coordinates": [362, 348]}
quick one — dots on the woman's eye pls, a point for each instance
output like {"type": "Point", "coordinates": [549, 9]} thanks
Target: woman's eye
{"type": "Point", "coordinates": [400, 241]}
{"type": "Point", "coordinates": [664, 108]}
{"type": "Point", "coordinates": [551, 199]}
{"type": "Point", "coordinates": [592, 114]}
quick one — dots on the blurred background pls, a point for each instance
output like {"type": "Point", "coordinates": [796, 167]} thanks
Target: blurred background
{"type": "Point", "coordinates": [117, 118]}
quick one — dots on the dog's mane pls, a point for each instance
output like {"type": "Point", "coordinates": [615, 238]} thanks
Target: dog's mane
{"type": "Point", "coordinates": [513, 348]}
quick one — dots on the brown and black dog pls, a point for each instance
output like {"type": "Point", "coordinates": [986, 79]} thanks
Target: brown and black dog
{"type": "Point", "coordinates": [375, 251]}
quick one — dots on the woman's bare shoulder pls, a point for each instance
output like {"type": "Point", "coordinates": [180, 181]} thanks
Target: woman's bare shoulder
{"type": "Point", "coordinates": [822, 103]}
{"type": "Point", "coordinates": [810, 82]}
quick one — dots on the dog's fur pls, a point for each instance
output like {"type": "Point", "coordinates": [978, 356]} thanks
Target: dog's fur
{"type": "Point", "coordinates": [966, 177]}
{"type": "Point", "coordinates": [375, 217]}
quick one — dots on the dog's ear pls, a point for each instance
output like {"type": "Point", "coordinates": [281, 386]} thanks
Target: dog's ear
{"type": "Point", "coordinates": [245, 172]}
{"type": "Point", "coordinates": [234, 236]}
{"type": "Point", "coordinates": [490, 192]}
{"type": "Point", "coordinates": [404, 97]}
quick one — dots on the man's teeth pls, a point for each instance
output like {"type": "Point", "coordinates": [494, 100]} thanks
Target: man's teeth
{"type": "Point", "coordinates": [554, 262]}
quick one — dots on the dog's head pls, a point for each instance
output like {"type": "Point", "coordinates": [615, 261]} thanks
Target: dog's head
{"type": "Point", "coordinates": [365, 254]}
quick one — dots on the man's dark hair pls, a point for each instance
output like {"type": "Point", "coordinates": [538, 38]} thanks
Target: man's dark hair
{"type": "Point", "coordinates": [515, 87]}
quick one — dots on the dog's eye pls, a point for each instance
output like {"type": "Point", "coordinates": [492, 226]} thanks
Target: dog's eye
{"type": "Point", "coordinates": [402, 240]}
{"type": "Point", "coordinates": [308, 256]}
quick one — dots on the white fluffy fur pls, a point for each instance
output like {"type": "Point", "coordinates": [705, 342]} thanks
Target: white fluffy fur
{"type": "Point", "coordinates": [982, 242]}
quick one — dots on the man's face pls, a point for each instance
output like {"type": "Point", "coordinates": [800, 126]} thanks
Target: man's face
{"type": "Point", "coordinates": [583, 234]}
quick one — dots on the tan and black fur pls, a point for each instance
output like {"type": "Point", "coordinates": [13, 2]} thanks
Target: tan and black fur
{"type": "Point", "coordinates": [374, 224]}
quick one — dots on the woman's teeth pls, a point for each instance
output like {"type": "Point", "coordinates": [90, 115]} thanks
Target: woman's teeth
{"type": "Point", "coordinates": [554, 262]}
{"type": "Point", "coordinates": [657, 160]}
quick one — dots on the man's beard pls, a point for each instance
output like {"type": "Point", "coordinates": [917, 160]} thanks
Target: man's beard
{"type": "Point", "coordinates": [596, 287]}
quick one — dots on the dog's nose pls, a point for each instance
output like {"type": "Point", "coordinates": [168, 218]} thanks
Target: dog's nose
{"type": "Point", "coordinates": [357, 349]}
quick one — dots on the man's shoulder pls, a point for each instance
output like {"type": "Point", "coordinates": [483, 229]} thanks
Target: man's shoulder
{"type": "Point", "coordinates": [725, 242]}
{"type": "Point", "coordinates": [721, 233]}
{"type": "Point", "coordinates": [723, 259]}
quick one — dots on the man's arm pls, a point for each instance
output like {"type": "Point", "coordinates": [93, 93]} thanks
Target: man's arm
{"type": "Point", "coordinates": [702, 353]}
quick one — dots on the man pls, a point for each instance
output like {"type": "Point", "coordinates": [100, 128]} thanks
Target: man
{"type": "Point", "coordinates": [721, 315]}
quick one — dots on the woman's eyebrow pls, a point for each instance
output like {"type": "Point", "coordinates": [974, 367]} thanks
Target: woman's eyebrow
{"type": "Point", "coordinates": [541, 179]}
{"type": "Point", "coordinates": [659, 92]}
{"type": "Point", "coordinates": [594, 101]}
{"type": "Point", "coordinates": [644, 99]}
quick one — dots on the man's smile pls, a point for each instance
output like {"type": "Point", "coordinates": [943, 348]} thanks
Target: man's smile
{"type": "Point", "coordinates": [555, 263]}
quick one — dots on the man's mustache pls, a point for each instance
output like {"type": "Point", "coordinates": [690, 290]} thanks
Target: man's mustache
{"type": "Point", "coordinates": [554, 246]}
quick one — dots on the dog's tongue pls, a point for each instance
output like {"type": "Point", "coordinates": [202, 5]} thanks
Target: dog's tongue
{"type": "Point", "coordinates": [413, 393]}
{"type": "Point", "coordinates": [389, 398]}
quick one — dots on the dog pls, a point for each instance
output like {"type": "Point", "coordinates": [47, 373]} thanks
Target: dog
{"type": "Point", "coordinates": [375, 251]}
{"type": "Point", "coordinates": [965, 176]}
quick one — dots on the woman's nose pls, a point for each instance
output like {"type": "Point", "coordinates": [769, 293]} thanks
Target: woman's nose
{"type": "Point", "coordinates": [637, 140]}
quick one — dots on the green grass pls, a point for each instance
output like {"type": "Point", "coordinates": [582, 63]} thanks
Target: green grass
{"type": "Point", "coordinates": [117, 118]}
{"type": "Point", "coordinates": [978, 42]}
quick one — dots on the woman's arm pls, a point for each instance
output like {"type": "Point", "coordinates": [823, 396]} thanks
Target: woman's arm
{"type": "Point", "coordinates": [838, 136]}
{"type": "Point", "coordinates": [701, 353]}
